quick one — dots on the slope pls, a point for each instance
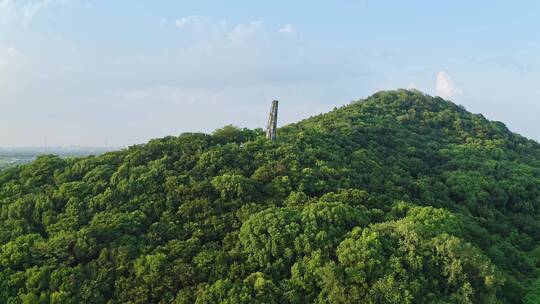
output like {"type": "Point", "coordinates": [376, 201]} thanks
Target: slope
{"type": "Point", "coordinates": [398, 198]}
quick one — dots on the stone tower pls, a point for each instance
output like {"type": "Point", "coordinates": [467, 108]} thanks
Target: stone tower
{"type": "Point", "coordinates": [272, 122]}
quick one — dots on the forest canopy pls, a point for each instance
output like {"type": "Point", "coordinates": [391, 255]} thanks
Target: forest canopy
{"type": "Point", "coordinates": [396, 198]}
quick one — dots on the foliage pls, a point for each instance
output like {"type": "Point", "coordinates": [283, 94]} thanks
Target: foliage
{"type": "Point", "coordinates": [399, 198]}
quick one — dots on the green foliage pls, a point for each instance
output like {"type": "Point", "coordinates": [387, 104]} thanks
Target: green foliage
{"type": "Point", "coordinates": [268, 238]}
{"type": "Point", "coordinates": [400, 262]}
{"type": "Point", "coordinates": [399, 198]}
{"type": "Point", "coordinates": [533, 294]}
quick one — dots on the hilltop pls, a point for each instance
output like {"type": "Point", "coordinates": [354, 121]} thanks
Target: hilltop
{"type": "Point", "coordinates": [397, 198]}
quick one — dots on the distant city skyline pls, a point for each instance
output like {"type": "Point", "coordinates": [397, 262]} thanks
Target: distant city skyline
{"type": "Point", "coordinates": [116, 73]}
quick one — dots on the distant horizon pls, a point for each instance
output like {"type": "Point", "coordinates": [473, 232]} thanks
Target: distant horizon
{"type": "Point", "coordinates": [66, 147]}
{"type": "Point", "coordinates": [115, 148]}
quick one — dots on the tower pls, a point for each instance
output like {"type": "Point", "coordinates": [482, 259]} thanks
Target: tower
{"type": "Point", "coordinates": [272, 122]}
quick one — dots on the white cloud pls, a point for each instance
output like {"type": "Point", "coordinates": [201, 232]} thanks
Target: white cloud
{"type": "Point", "coordinates": [8, 12]}
{"type": "Point", "coordinates": [196, 20]}
{"type": "Point", "coordinates": [445, 86]}
{"type": "Point", "coordinates": [11, 57]}
{"type": "Point", "coordinates": [204, 26]}
{"type": "Point", "coordinates": [287, 29]}
{"type": "Point", "coordinates": [218, 30]}
{"type": "Point", "coordinates": [7, 6]}
{"type": "Point", "coordinates": [23, 12]}
{"type": "Point", "coordinates": [242, 31]}
{"type": "Point", "coordinates": [11, 51]}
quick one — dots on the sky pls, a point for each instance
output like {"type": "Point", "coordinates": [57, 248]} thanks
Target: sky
{"type": "Point", "coordinates": [116, 73]}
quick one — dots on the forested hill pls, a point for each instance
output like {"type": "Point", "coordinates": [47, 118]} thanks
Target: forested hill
{"type": "Point", "coordinates": [398, 198]}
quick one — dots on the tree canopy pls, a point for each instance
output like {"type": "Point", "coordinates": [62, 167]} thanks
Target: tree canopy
{"type": "Point", "coordinates": [397, 198]}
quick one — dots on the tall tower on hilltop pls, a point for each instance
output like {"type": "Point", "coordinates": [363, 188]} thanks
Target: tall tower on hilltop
{"type": "Point", "coordinates": [272, 122]}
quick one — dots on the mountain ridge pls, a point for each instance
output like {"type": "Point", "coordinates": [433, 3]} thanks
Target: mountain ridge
{"type": "Point", "coordinates": [397, 198]}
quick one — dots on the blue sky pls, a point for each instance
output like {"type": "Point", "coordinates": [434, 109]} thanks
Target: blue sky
{"type": "Point", "coordinates": [121, 72]}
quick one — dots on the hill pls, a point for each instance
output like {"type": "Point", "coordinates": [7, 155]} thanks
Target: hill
{"type": "Point", "coordinates": [398, 198]}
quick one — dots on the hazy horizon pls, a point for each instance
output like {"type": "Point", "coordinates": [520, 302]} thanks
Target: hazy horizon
{"type": "Point", "coordinates": [105, 148]}
{"type": "Point", "coordinates": [66, 147]}
{"type": "Point", "coordinates": [100, 73]}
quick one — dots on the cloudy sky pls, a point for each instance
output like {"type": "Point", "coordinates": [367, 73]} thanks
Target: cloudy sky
{"type": "Point", "coordinates": [121, 72]}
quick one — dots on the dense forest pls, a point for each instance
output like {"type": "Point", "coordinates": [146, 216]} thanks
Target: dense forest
{"type": "Point", "coordinates": [396, 198]}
